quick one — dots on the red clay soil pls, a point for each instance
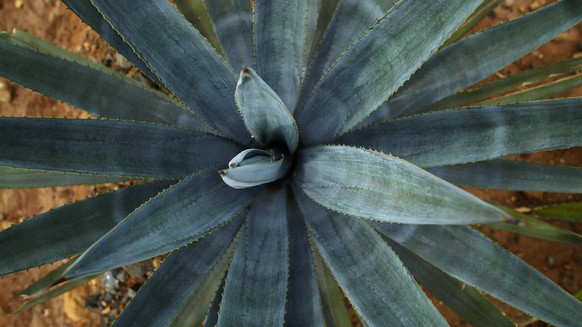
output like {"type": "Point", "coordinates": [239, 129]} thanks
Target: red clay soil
{"type": "Point", "coordinates": [51, 21]}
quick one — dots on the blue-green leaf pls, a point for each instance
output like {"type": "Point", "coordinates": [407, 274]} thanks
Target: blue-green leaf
{"type": "Point", "coordinates": [19, 178]}
{"type": "Point", "coordinates": [256, 285]}
{"type": "Point", "coordinates": [92, 17]}
{"type": "Point", "coordinates": [187, 211]}
{"type": "Point", "coordinates": [369, 272]}
{"type": "Point", "coordinates": [256, 169]}
{"type": "Point", "coordinates": [180, 277]}
{"type": "Point", "coordinates": [279, 43]}
{"type": "Point", "coordinates": [83, 85]}
{"type": "Point", "coordinates": [233, 22]}
{"type": "Point", "coordinates": [513, 175]}
{"type": "Point", "coordinates": [264, 113]}
{"type": "Point", "coordinates": [108, 147]}
{"type": "Point", "coordinates": [478, 133]}
{"type": "Point", "coordinates": [474, 259]}
{"type": "Point", "coordinates": [197, 13]}
{"type": "Point", "coordinates": [480, 55]}
{"type": "Point", "coordinates": [304, 306]}
{"type": "Point", "coordinates": [377, 186]}
{"type": "Point", "coordinates": [58, 290]}
{"type": "Point", "coordinates": [70, 229]}
{"type": "Point", "coordinates": [466, 300]}
{"type": "Point", "coordinates": [485, 8]}
{"type": "Point", "coordinates": [212, 316]}
{"type": "Point", "coordinates": [185, 62]}
{"type": "Point", "coordinates": [378, 63]}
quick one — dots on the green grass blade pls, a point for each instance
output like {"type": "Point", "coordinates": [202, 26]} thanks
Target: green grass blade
{"type": "Point", "coordinates": [474, 259]}
{"type": "Point", "coordinates": [71, 80]}
{"type": "Point", "coordinates": [256, 285]}
{"type": "Point", "coordinates": [92, 17]}
{"type": "Point", "coordinates": [185, 62]}
{"type": "Point", "coordinates": [378, 63]}
{"type": "Point", "coordinates": [108, 147]}
{"type": "Point", "coordinates": [197, 13]}
{"type": "Point", "coordinates": [196, 206]}
{"type": "Point", "coordinates": [23, 178]}
{"type": "Point", "coordinates": [566, 211]}
{"type": "Point", "coordinates": [265, 115]}
{"type": "Point", "coordinates": [480, 55]}
{"type": "Point", "coordinates": [514, 175]}
{"type": "Point", "coordinates": [233, 22]}
{"type": "Point", "coordinates": [373, 278]}
{"type": "Point", "coordinates": [182, 276]}
{"type": "Point", "coordinates": [477, 133]}
{"type": "Point", "coordinates": [280, 52]}
{"type": "Point", "coordinates": [304, 307]}
{"type": "Point", "coordinates": [506, 84]}
{"type": "Point", "coordinates": [377, 186]}
{"type": "Point", "coordinates": [466, 300]}
{"type": "Point", "coordinates": [70, 229]}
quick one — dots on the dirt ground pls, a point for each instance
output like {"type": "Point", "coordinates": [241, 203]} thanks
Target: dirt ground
{"type": "Point", "coordinates": [51, 21]}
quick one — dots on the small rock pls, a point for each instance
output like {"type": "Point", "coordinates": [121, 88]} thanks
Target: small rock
{"type": "Point", "coordinates": [122, 62]}
{"type": "Point", "coordinates": [5, 93]}
{"type": "Point", "coordinates": [551, 261]}
{"type": "Point", "coordinates": [507, 3]}
{"type": "Point", "coordinates": [18, 3]}
{"type": "Point", "coordinates": [535, 5]}
{"type": "Point", "coordinates": [577, 55]}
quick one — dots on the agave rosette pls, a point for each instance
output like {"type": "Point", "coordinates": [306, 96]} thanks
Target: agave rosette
{"type": "Point", "coordinates": [273, 186]}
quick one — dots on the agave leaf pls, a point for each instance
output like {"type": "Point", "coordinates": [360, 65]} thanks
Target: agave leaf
{"type": "Point", "coordinates": [185, 62]}
{"type": "Point", "coordinates": [69, 229]}
{"type": "Point", "coordinates": [303, 300]}
{"type": "Point", "coordinates": [256, 284]}
{"type": "Point", "coordinates": [197, 13]}
{"type": "Point", "coordinates": [280, 34]}
{"type": "Point", "coordinates": [566, 211]}
{"type": "Point", "coordinates": [474, 134]}
{"type": "Point", "coordinates": [378, 63]}
{"type": "Point", "coordinates": [485, 8]}
{"type": "Point", "coordinates": [326, 11]}
{"type": "Point", "coordinates": [505, 84]}
{"type": "Point", "coordinates": [256, 170]}
{"type": "Point", "coordinates": [377, 186]}
{"type": "Point", "coordinates": [369, 272]}
{"type": "Point", "coordinates": [478, 261]}
{"type": "Point", "coordinates": [513, 175]}
{"type": "Point", "coordinates": [478, 56]}
{"type": "Point", "coordinates": [83, 85]}
{"type": "Point", "coordinates": [334, 308]}
{"type": "Point", "coordinates": [466, 300]}
{"type": "Point", "coordinates": [187, 211]}
{"type": "Point", "coordinates": [343, 22]}
{"type": "Point", "coordinates": [233, 21]}
{"type": "Point", "coordinates": [47, 280]}
{"type": "Point", "coordinates": [92, 17]}
{"type": "Point", "coordinates": [312, 37]}
{"type": "Point", "coordinates": [530, 226]}
{"type": "Point", "coordinates": [539, 92]}
{"type": "Point", "coordinates": [108, 147]}
{"type": "Point", "coordinates": [212, 316]}
{"type": "Point", "coordinates": [21, 178]}
{"type": "Point", "coordinates": [264, 113]}
{"type": "Point", "coordinates": [178, 280]}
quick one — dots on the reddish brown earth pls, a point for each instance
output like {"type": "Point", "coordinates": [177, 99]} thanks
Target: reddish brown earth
{"type": "Point", "coordinates": [51, 21]}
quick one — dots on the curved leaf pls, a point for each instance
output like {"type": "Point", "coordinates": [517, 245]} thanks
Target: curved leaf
{"type": "Point", "coordinates": [70, 229]}
{"type": "Point", "coordinates": [369, 272]}
{"type": "Point", "coordinates": [378, 64]}
{"type": "Point", "coordinates": [466, 300]}
{"type": "Point", "coordinates": [463, 63]}
{"type": "Point", "coordinates": [256, 170]}
{"type": "Point", "coordinates": [478, 133]}
{"type": "Point", "coordinates": [279, 31]}
{"type": "Point", "coordinates": [83, 86]}
{"type": "Point", "coordinates": [185, 62]}
{"type": "Point", "coordinates": [233, 22]}
{"type": "Point", "coordinates": [513, 175]}
{"type": "Point", "coordinates": [182, 275]}
{"type": "Point", "coordinates": [108, 147]}
{"type": "Point", "coordinates": [374, 185]}
{"type": "Point", "coordinates": [474, 259]}
{"type": "Point", "coordinates": [57, 291]}
{"type": "Point", "coordinates": [22, 178]}
{"type": "Point", "coordinates": [196, 206]}
{"type": "Point", "coordinates": [256, 284]}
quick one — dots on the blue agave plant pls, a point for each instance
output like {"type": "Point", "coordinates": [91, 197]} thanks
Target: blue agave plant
{"type": "Point", "coordinates": [326, 164]}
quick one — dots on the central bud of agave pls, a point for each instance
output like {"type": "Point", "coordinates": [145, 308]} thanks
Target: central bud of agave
{"type": "Point", "coordinates": [272, 127]}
